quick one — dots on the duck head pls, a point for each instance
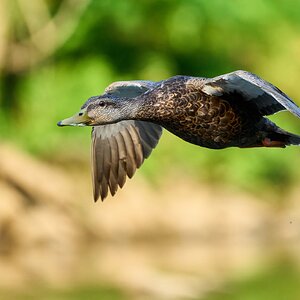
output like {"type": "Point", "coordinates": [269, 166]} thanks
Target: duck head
{"type": "Point", "coordinates": [99, 110]}
{"type": "Point", "coordinates": [120, 101]}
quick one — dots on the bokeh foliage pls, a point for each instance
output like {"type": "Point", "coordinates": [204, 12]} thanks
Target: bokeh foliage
{"type": "Point", "coordinates": [74, 293]}
{"type": "Point", "coordinates": [155, 39]}
{"type": "Point", "coordinates": [280, 281]}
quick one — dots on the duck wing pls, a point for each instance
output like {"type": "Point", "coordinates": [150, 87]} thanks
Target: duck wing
{"type": "Point", "coordinates": [130, 88]}
{"type": "Point", "coordinates": [119, 149]}
{"type": "Point", "coordinates": [267, 98]}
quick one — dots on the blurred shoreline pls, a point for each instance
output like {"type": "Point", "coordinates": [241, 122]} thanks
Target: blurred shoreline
{"type": "Point", "coordinates": [144, 240]}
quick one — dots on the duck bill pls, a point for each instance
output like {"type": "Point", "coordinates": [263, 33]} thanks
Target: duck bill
{"type": "Point", "coordinates": [79, 119]}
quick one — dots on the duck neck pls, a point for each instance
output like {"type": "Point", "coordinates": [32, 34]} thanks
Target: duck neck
{"type": "Point", "coordinates": [134, 108]}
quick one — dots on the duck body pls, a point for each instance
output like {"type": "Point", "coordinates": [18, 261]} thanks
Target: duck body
{"type": "Point", "coordinates": [229, 110]}
{"type": "Point", "coordinates": [180, 106]}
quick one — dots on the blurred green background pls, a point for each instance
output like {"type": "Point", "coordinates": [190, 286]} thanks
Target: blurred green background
{"type": "Point", "coordinates": [54, 54]}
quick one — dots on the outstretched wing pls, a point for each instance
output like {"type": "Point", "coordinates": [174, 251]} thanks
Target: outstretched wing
{"type": "Point", "coordinates": [131, 88]}
{"type": "Point", "coordinates": [267, 98]}
{"type": "Point", "coordinates": [119, 149]}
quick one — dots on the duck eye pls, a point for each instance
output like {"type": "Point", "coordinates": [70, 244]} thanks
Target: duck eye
{"type": "Point", "coordinates": [101, 103]}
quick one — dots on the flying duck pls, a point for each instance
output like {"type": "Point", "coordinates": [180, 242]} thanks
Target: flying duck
{"type": "Point", "coordinates": [220, 112]}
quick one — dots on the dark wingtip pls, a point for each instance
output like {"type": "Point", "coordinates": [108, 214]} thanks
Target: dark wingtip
{"type": "Point", "coordinates": [96, 197]}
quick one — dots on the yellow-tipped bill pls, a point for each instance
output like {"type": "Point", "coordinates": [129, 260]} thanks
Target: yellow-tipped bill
{"type": "Point", "coordinates": [79, 119]}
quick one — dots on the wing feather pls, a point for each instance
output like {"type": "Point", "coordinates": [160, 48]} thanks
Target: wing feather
{"type": "Point", "coordinates": [118, 150]}
{"type": "Point", "coordinates": [130, 160]}
{"type": "Point", "coordinates": [139, 158]}
{"type": "Point", "coordinates": [268, 98]}
{"type": "Point", "coordinates": [113, 175]}
{"type": "Point", "coordinates": [130, 88]}
{"type": "Point", "coordinates": [121, 160]}
{"type": "Point", "coordinates": [150, 136]}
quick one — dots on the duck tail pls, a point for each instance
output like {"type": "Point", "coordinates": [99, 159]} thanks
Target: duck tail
{"type": "Point", "coordinates": [277, 137]}
{"type": "Point", "coordinates": [292, 139]}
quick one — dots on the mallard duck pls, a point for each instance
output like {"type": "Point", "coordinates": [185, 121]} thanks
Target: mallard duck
{"type": "Point", "coordinates": [220, 112]}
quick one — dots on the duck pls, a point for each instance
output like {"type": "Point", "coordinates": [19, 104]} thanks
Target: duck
{"type": "Point", "coordinates": [127, 120]}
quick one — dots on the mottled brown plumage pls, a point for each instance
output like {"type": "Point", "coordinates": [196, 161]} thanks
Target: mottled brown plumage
{"type": "Point", "coordinates": [225, 111]}
{"type": "Point", "coordinates": [198, 118]}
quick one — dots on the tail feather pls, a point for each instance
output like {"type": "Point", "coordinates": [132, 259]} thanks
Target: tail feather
{"type": "Point", "coordinates": [274, 136]}
{"type": "Point", "coordinates": [284, 137]}
{"type": "Point", "coordinates": [293, 139]}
